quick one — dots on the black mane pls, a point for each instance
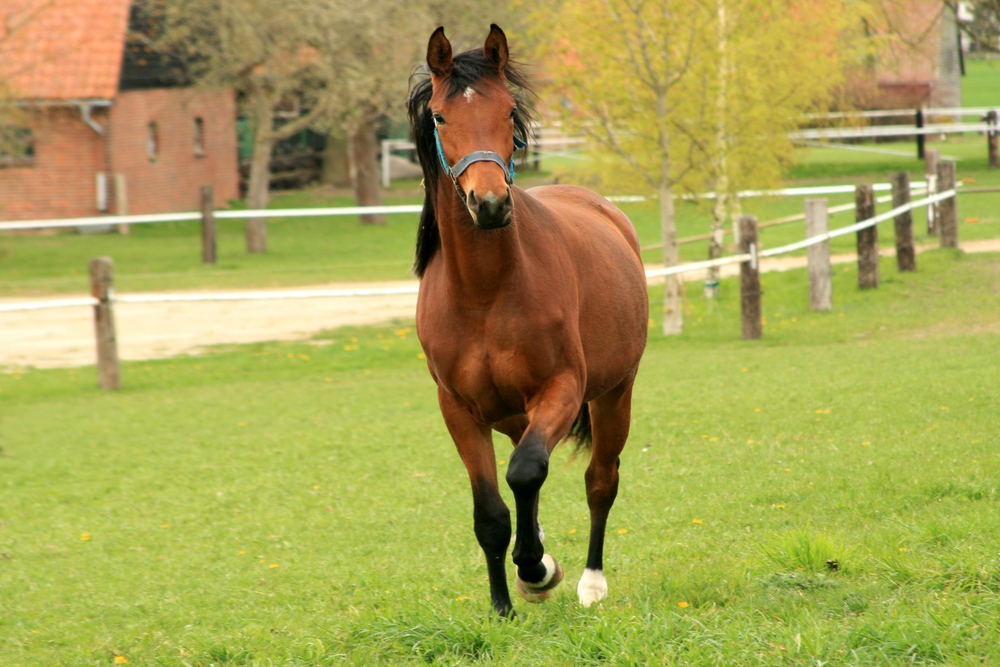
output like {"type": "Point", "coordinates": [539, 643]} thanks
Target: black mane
{"type": "Point", "coordinates": [468, 68]}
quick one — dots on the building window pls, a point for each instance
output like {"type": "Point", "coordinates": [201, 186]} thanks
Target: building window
{"type": "Point", "coordinates": [17, 146]}
{"type": "Point", "coordinates": [152, 142]}
{"type": "Point", "coordinates": [199, 137]}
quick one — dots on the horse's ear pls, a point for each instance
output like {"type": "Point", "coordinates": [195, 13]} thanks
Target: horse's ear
{"type": "Point", "coordinates": [496, 49]}
{"type": "Point", "coordinates": [439, 53]}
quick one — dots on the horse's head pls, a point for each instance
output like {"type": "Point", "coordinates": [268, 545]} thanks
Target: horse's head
{"type": "Point", "coordinates": [474, 122]}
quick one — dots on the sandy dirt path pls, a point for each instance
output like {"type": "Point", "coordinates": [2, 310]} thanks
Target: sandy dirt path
{"type": "Point", "coordinates": [64, 337]}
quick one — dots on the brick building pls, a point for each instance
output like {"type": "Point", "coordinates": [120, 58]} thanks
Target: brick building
{"type": "Point", "coordinates": [919, 64]}
{"type": "Point", "coordinates": [99, 114]}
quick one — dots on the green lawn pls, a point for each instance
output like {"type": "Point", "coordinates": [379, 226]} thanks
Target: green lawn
{"type": "Point", "coordinates": [301, 504]}
{"type": "Point", "coordinates": [981, 85]}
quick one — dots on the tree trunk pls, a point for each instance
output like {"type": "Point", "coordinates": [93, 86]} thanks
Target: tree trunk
{"type": "Point", "coordinates": [336, 161]}
{"type": "Point", "coordinates": [673, 317]}
{"type": "Point", "coordinates": [257, 193]}
{"type": "Point", "coordinates": [716, 240]}
{"type": "Point", "coordinates": [363, 150]}
{"type": "Point", "coordinates": [721, 208]}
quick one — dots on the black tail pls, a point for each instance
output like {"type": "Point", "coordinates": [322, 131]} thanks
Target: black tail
{"type": "Point", "coordinates": [580, 431]}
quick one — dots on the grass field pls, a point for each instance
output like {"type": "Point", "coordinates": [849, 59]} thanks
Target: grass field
{"type": "Point", "coordinates": [301, 504]}
{"type": "Point", "coordinates": [981, 83]}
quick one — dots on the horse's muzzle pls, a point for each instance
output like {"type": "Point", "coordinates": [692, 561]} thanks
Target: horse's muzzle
{"type": "Point", "coordinates": [490, 212]}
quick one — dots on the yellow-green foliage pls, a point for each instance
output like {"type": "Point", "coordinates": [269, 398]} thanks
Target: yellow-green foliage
{"type": "Point", "coordinates": [643, 81]}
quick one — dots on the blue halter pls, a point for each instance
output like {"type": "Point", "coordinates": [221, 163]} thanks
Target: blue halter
{"type": "Point", "coordinates": [477, 156]}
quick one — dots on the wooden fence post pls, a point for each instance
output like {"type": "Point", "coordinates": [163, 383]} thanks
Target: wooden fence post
{"type": "Point", "coordinates": [750, 309]}
{"type": "Point", "coordinates": [102, 289]}
{"type": "Point", "coordinates": [208, 245]}
{"type": "Point", "coordinates": [820, 273]}
{"type": "Point", "coordinates": [921, 138]}
{"type": "Point", "coordinates": [991, 139]}
{"type": "Point", "coordinates": [864, 207]}
{"type": "Point", "coordinates": [930, 169]}
{"type": "Point", "coordinates": [947, 208]}
{"type": "Point", "coordinates": [906, 258]}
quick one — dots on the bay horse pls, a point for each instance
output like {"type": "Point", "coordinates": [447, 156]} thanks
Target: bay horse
{"type": "Point", "coordinates": [532, 311]}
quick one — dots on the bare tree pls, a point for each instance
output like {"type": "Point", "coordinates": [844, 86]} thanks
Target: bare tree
{"type": "Point", "coordinates": [387, 38]}
{"type": "Point", "coordinates": [277, 55]}
{"type": "Point", "coordinates": [984, 27]}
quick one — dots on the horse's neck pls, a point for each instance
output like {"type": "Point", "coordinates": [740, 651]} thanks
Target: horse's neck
{"type": "Point", "coordinates": [478, 262]}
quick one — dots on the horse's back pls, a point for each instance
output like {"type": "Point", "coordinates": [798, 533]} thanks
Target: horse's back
{"type": "Point", "coordinates": [603, 248]}
{"type": "Point", "coordinates": [595, 209]}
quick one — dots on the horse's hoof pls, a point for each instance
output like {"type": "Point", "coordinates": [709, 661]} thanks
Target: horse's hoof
{"type": "Point", "coordinates": [592, 587]}
{"type": "Point", "coordinates": [540, 591]}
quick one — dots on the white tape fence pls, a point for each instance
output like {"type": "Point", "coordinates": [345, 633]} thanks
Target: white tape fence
{"type": "Point", "coordinates": [412, 289]}
{"type": "Point", "coordinates": [799, 245]}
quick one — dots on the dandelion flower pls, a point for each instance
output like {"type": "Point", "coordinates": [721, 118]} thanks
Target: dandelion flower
{"type": "Point", "coordinates": [695, 520]}
{"type": "Point", "coordinates": [85, 537]}
{"type": "Point", "coordinates": [462, 597]}
{"type": "Point", "coordinates": [421, 356]}
{"type": "Point", "coordinates": [683, 604]}
{"type": "Point", "coordinates": [273, 565]}
{"type": "Point", "coordinates": [165, 525]}
{"type": "Point", "coordinates": [121, 659]}
{"type": "Point", "coordinates": [622, 531]}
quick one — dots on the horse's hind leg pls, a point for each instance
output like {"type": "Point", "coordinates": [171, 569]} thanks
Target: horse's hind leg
{"type": "Point", "coordinates": [490, 513]}
{"type": "Point", "coordinates": [610, 417]}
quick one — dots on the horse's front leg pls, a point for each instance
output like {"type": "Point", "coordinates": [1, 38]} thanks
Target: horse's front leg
{"type": "Point", "coordinates": [550, 416]}
{"type": "Point", "coordinates": [490, 513]}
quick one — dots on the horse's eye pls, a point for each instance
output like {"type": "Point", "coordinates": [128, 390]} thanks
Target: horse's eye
{"type": "Point", "coordinates": [438, 119]}
{"type": "Point", "coordinates": [513, 112]}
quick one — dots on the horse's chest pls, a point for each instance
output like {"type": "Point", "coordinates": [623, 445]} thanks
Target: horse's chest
{"type": "Point", "coordinates": [494, 374]}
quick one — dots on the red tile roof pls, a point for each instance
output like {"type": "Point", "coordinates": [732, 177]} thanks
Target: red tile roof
{"type": "Point", "coordinates": [62, 49]}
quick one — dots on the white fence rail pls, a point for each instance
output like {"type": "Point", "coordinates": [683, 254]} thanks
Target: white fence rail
{"type": "Point", "coordinates": [900, 113]}
{"type": "Point", "coordinates": [413, 289]}
{"type": "Point", "coordinates": [799, 245]}
{"type": "Point", "coordinates": [195, 215]}
{"type": "Point", "coordinates": [876, 131]}
{"type": "Point", "coordinates": [359, 210]}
